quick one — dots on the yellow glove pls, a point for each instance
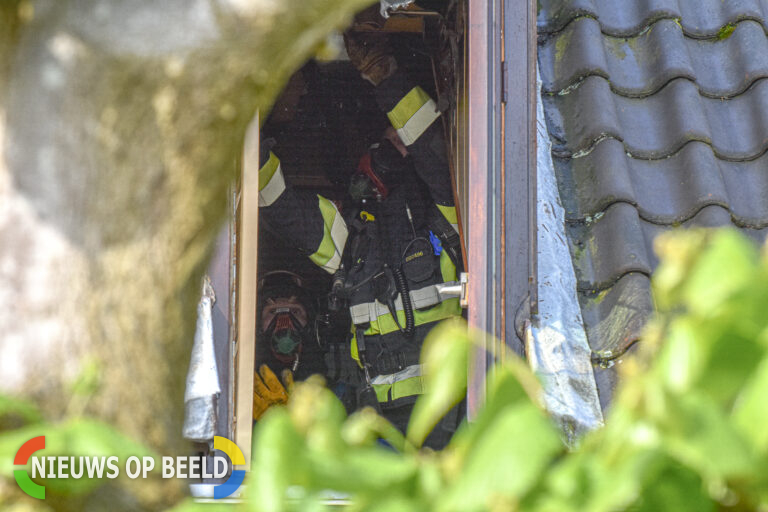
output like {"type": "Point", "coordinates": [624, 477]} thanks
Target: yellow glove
{"type": "Point", "coordinates": [268, 390]}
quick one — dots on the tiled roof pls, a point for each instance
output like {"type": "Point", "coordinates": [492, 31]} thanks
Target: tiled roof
{"type": "Point", "coordinates": [699, 19]}
{"type": "Point", "coordinates": [658, 115]}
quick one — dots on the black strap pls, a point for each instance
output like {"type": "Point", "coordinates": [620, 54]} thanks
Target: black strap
{"type": "Point", "coordinates": [448, 237]}
{"type": "Point", "coordinates": [361, 234]}
{"type": "Point", "coordinates": [366, 396]}
{"type": "Point", "coordinates": [393, 362]}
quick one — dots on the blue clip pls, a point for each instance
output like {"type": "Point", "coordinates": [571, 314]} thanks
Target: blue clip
{"type": "Point", "coordinates": [437, 245]}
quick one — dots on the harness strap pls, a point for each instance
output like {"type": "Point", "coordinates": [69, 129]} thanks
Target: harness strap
{"type": "Point", "coordinates": [421, 298]}
{"type": "Point", "coordinates": [393, 362]}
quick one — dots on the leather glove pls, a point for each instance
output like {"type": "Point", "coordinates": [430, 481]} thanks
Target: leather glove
{"type": "Point", "coordinates": [268, 390]}
{"type": "Point", "coordinates": [371, 54]}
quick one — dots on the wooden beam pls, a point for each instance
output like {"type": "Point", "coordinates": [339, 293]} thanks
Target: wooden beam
{"type": "Point", "coordinates": [247, 285]}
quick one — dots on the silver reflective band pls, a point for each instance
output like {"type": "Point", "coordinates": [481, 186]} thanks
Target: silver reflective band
{"type": "Point", "coordinates": [273, 189]}
{"type": "Point", "coordinates": [418, 123]}
{"type": "Point", "coordinates": [421, 298]}
{"type": "Point", "coordinates": [411, 371]}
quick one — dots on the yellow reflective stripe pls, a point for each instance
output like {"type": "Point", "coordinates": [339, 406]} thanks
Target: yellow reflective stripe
{"type": "Point", "coordinates": [271, 182]}
{"type": "Point", "coordinates": [447, 268]}
{"type": "Point", "coordinates": [408, 387]}
{"type": "Point", "coordinates": [418, 123]}
{"type": "Point", "coordinates": [407, 107]}
{"type": "Point", "coordinates": [325, 252]}
{"type": "Point", "coordinates": [268, 170]}
{"type": "Point", "coordinates": [385, 324]}
{"type": "Point", "coordinates": [399, 389]}
{"type": "Point", "coordinates": [413, 114]}
{"type": "Point", "coordinates": [449, 212]}
{"type": "Point", "coordinates": [328, 254]}
{"type": "Point", "coordinates": [273, 190]}
{"type": "Point", "coordinates": [382, 391]}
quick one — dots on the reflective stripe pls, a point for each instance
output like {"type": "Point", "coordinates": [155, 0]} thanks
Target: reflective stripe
{"type": "Point", "coordinates": [272, 191]}
{"type": "Point", "coordinates": [408, 387]}
{"type": "Point", "coordinates": [449, 212]}
{"type": "Point", "coordinates": [382, 392]}
{"type": "Point", "coordinates": [447, 268]}
{"type": "Point", "coordinates": [419, 123]}
{"type": "Point", "coordinates": [404, 383]}
{"type": "Point", "coordinates": [328, 254]}
{"type": "Point", "coordinates": [384, 324]}
{"type": "Point", "coordinates": [268, 170]}
{"type": "Point", "coordinates": [407, 106]}
{"type": "Point", "coordinates": [271, 181]}
{"type": "Point", "coordinates": [413, 114]}
{"type": "Point", "coordinates": [415, 370]}
{"type": "Point", "coordinates": [421, 298]}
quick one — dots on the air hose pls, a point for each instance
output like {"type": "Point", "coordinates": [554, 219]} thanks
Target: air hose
{"type": "Point", "coordinates": [402, 287]}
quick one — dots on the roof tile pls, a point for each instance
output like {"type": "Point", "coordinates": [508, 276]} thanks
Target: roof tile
{"type": "Point", "coordinates": [642, 65]}
{"type": "Point", "coordinates": [699, 18]}
{"type": "Point", "coordinates": [659, 125]}
{"type": "Point", "coordinates": [664, 191]}
{"type": "Point", "coordinates": [658, 114]}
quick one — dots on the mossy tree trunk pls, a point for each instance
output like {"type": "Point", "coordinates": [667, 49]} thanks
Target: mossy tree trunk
{"type": "Point", "coordinates": [121, 126]}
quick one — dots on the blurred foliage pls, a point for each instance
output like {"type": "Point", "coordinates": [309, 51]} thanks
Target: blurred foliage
{"type": "Point", "coordinates": [687, 430]}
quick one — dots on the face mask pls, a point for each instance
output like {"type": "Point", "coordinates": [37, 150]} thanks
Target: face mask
{"type": "Point", "coordinates": [285, 340]}
{"type": "Point", "coordinates": [284, 321]}
{"type": "Point", "coordinates": [379, 171]}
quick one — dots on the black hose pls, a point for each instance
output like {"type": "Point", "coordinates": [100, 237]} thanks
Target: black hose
{"type": "Point", "coordinates": [402, 287]}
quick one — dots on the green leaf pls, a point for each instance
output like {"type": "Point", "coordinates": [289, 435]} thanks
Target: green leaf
{"type": "Point", "coordinates": [395, 504]}
{"type": "Point", "coordinates": [668, 485]}
{"type": "Point", "coordinates": [507, 461]}
{"type": "Point", "coordinates": [365, 427]}
{"type": "Point", "coordinates": [698, 433]}
{"type": "Point", "coordinates": [750, 414]}
{"type": "Point", "coordinates": [279, 461]}
{"type": "Point", "coordinates": [445, 356]}
{"type": "Point", "coordinates": [367, 471]}
{"type": "Point", "coordinates": [703, 280]}
{"type": "Point", "coordinates": [506, 389]}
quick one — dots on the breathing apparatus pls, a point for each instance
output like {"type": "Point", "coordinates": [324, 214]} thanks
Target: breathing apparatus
{"type": "Point", "coordinates": [379, 171]}
{"type": "Point", "coordinates": [284, 316]}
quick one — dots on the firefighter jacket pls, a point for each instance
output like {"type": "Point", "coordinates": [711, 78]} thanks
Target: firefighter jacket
{"type": "Point", "coordinates": [377, 234]}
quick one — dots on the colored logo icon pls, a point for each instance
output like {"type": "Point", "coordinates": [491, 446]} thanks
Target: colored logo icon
{"type": "Point", "coordinates": [235, 480]}
{"type": "Point", "coordinates": [21, 475]}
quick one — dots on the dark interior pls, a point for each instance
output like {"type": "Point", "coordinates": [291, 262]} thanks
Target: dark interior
{"type": "Point", "coordinates": [326, 118]}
